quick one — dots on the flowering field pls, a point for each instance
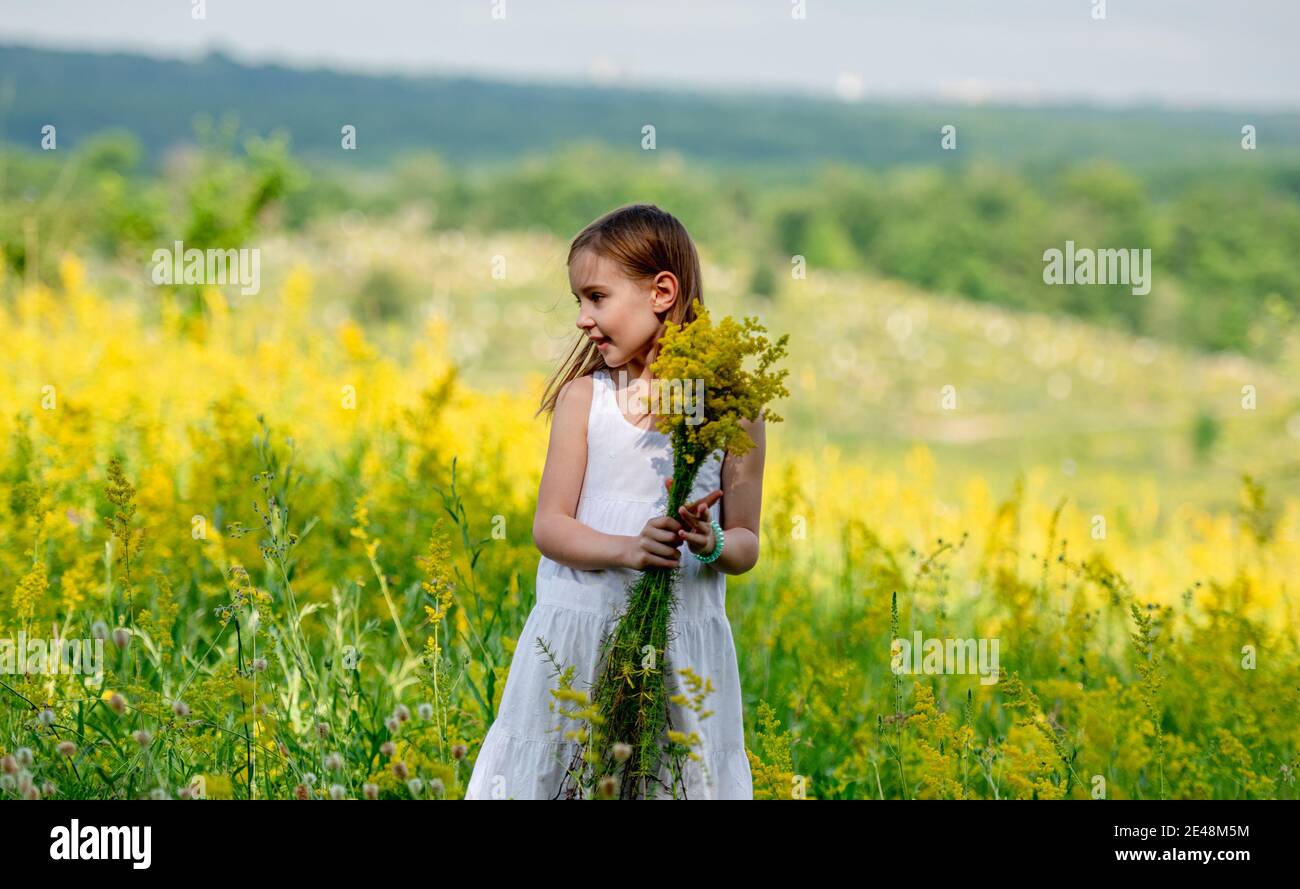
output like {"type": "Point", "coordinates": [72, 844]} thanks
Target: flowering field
{"type": "Point", "coordinates": [303, 547]}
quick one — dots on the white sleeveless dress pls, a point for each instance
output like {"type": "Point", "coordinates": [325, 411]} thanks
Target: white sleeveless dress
{"type": "Point", "coordinates": [522, 757]}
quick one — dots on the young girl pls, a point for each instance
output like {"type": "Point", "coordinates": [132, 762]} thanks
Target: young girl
{"type": "Point", "coordinates": [601, 519]}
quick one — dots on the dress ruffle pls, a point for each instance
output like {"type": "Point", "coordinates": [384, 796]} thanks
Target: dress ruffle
{"type": "Point", "coordinates": [512, 767]}
{"type": "Point", "coordinates": [525, 754]}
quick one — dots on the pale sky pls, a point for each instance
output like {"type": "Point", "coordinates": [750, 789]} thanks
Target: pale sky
{"type": "Point", "coordinates": [1226, 53]}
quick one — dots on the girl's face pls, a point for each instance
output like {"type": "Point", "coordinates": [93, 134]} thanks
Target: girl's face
{"type": "Point", "coordinates": [616, 311]}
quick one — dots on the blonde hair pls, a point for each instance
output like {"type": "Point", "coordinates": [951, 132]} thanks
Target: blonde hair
{"type": "Point", "coordinates": [644, 240]}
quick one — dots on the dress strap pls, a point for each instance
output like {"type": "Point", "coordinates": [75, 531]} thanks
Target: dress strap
{"type": "Point", "coordinates": [601, 397]}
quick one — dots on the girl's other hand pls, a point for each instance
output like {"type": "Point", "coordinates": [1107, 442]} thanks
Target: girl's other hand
{"type": "Point", "coordinates": [657, 545]}
{"type": "Point", "coordinates": [697, 530]}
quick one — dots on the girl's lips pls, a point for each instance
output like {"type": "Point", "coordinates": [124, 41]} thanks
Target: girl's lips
{"type": "Point", "coordinates": [600, 344]}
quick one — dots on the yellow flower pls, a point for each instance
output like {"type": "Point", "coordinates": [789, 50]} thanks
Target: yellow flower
{"type": "Point", "coordinates": [30, 592]}
{"type": "Point", "coordinates": [72, 274]}
{"type": "Point", "coordinates": [700, 353]}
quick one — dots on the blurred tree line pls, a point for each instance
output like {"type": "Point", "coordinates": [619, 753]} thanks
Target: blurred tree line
{"type": "Point", "coordinates": [1221, 236]}
{"type": "Point", "coordinates": [101, 198]}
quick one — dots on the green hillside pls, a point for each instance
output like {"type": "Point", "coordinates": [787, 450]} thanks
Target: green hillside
{"type": "Point", "coordinates": [489, 122]}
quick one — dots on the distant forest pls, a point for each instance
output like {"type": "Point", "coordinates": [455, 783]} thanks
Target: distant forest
{"type": "Point", "coordinates": [758, 180]}
{"type": "Point", "coordinates": [472, 120]}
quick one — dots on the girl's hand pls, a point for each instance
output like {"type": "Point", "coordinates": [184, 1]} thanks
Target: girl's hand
{"type": "Point", "coordinates": [697, 529]}
{"type": "Point", "coordinates": [656, 546]}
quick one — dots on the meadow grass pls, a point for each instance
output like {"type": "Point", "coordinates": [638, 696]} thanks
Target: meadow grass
{"type": "Point", "coordinates": [309, 560]}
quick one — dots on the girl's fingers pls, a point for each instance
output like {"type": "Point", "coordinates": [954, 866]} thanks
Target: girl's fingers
{"type": "Point", "coordinates": [665, 521]}
{"type": "Point", "coordinates": [704, 503]}
{"type": "Point", "coordinates": [663, 535]}
{"type": "Point", "coordinates": [698, 543]}
{"type": "Point", "coordinates": [699, 539]}
{"type": "Point", "coordinates": [696, 514]}
{"type": "Point", "coordinates": [662, 551]}
{"type": "Point", "coordinates": [661, 547]}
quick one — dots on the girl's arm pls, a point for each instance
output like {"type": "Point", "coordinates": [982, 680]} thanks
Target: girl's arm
{"type": "Point", "coordinates": [742, 498]}
{"type": "Point", "coordinates": [558, 535]}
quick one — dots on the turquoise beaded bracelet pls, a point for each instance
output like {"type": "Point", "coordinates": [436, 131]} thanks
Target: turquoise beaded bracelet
{"type": "Point", "coordinates": [717, 548]}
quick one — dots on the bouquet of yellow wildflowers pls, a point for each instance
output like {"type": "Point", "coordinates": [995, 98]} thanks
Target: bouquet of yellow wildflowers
{"type": "Point", "coordinates": [621, 752]}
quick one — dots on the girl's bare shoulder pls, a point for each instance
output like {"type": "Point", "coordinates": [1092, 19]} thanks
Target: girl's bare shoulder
{"type": "Point", "coordinates": [573, 402]}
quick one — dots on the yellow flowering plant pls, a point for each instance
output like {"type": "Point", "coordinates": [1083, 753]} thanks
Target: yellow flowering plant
{"type": "Point", "coordinates": [629, 696]}
{"type": "Point", "coordinates": [714, 355]}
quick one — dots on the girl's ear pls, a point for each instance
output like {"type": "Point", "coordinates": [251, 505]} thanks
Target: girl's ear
{"type": "Point", "coordinates": [661, 305]}
{"type": "Point", "coordinates": [663, 292]}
